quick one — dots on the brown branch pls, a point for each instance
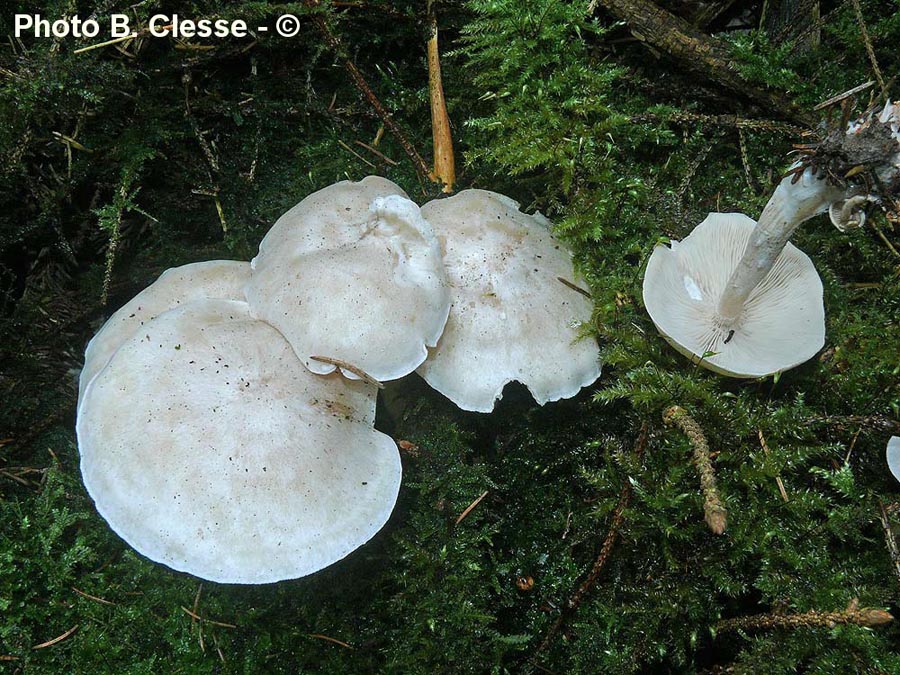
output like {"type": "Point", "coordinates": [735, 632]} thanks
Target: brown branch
{"type": "Point", "coordinates": [471, 507]}
{"type": "Point", "coordinates": [574, 287]}
{"type": "Point", "coordinates": [320, 636]}
{"type": "Point", "coordinates": [102, 601]}
{"type": "Point", "coordinates": [713, 509]}
{"type": "Point", "coordinates": [58, 639]}
{"type": "Point", "coordinates": [889, 539]}
{"type": "Point", "coordinates": [196, 617]}
{"type": "Point", "coordinates": [868, 43]}
{"type": "Point", "coordinates": [693, 119]}
{"type": "Point", "coordinates": [778, 481]}
{"type": "Point", "coordinates": [698, 52]}
{"type": "Point", "coordinates": [815, 619]}
{"type": "Point", "coordinates": [349, 367]}
{"type": "Point", "coordinates": [612, 535]}
{"type": "Point", "coordinates": [365, 90]}
{"type": "Point", "coordinates": [872, 423]}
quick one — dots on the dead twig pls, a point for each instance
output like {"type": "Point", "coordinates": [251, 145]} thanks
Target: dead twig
{"type": "Point", "coordinates": [470, 507]}
{"type": "Point", "coordinates": [745, 160]}
{"type": "Point", "coordinates": [343, 365]}
{"type": "Point", "coordinates": [876, 423]}
{"type": "Point", "coordinates": [778, 481]}
{"type": "Point", "coordinates": [612, 535]}
{"type": "Point", "coordinates": [577, 289]}
{"type": "Point", "coordinates": [102, 601]}
{"type": "Point", "coordinates": [58, 639]}
{"type": "Point", "coordinates": [196, 616]}
{"type": "Point", "coordinates": [211, 157]}
{"type": "Point", "coordinates": [194, 619]}
{"type": "Point", "coordinates": [218, 649]}
{"type": "Point", "coordinates": [869, 50]}
{"type": "Point", "coordinates": [326, 638]}
{"type": "Point", "coordinates": [889, 539]}
{"type": "Point", "coordinates": [363, 87]}
{"type": "Point", "coordinates": [444, 162]}
{"type": "Point", "coordinates": [693, 119]}
{"type": "Point", "coordinates": [713, 509]}
{"type": "Point", "coordinates": [356, 154]}
{"type": "Point", "coordinates": [847, 94]}
{"type": "Point", "coordinates": [814, 619]}
{"type": "Point", "coordinates": [885, 241]}
{"type": "Point", "coordinates": [377, 153]}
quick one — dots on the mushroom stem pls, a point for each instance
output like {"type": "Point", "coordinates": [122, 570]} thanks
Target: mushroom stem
{"type": "Point", "coordinates": [791, 204]}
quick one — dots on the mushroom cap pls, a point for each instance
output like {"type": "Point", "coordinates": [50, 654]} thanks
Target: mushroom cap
{"type": "Point", "coordinates": [353, 273]}
{"type": "Point", "coordinates": [893, 456]}
{"type": "Point", "coordinates": [208, 447]}
{"type": "Point", "coordinates": [782, 323]}
{"type": "Point", "coordinates": [223, 279]}
{"type": "Point", "coordinates": [511, 317]}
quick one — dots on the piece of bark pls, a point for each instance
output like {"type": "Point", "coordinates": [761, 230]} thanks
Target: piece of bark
{"type": "Point", "coordinates": [698, 52]}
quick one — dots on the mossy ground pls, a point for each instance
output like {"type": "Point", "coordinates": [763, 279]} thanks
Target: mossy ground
{"type": "Point", "coordinates": [544, 101]}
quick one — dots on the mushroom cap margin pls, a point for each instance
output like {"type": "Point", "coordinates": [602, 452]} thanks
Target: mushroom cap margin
{"type": "Point", "coordinates": [222, 279]}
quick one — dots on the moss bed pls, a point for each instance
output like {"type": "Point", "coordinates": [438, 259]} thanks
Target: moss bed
{"type": "Point", "coordinates": [187, 151]}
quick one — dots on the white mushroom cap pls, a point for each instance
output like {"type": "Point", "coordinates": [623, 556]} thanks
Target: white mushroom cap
{"type": "Point", "coordinates": [782, 323]}
{"type": "Point", "coordinates": [511, 318]}
{"type": "Point", "coordinates": [222, 279]}
{"type": "Point", "coordinates": [208, 447]}
{"type": "Point", "coordinates": [353, 273]}
{"type": "Point", "coordinates": [893, 456]}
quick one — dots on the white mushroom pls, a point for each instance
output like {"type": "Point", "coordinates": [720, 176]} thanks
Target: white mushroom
{"type": "Point", "coordinates": [353, 274]}
{"type": "Point", "coordinates": [222, 279]}
{"type": "Point", "coordinates": [893, 456]}
{"type": "Point", "coordinates": [783, 320]}
{"type": "Point", "coordinates": [756, 321]}
{"type": "Point", "coordinates": [511, 318]}
{"type": "Point", "coordinates": [208, 447]}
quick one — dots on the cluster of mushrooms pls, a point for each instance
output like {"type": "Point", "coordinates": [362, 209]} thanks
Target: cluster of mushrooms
{"type": "Point", "coordinates": [226, 413]}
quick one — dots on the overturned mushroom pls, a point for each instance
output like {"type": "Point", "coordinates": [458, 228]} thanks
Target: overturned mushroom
{"type": "Point", "coordinates": [782, 323]}
{"type": "Point", "coordinates": [735, 295]}
{"type": "Point", "coordinates": [353, 273]}
{"type": "Point", "coordinates": [222, 279]}
{"type": "Point", "coordinates": [511, 317]}
{"type": "Point", "coordinates": [208, 447]}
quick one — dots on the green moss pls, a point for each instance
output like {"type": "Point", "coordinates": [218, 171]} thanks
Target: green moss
{"type": "Point", "coordinates": [550, 106]}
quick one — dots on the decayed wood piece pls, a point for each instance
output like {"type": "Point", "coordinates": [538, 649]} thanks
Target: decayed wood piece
{"type": "Point", "coordinates": [697, 51]}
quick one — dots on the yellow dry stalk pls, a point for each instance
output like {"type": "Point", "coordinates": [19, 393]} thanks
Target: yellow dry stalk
{"type": "Point", "coordinates": [444, 162]}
